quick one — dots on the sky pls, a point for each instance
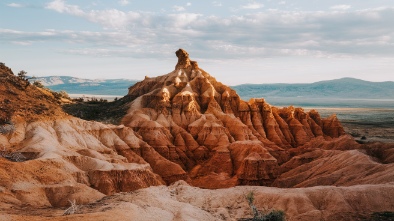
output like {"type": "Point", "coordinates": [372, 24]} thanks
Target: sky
{"type": "Point", "coordinates": [236, 41]}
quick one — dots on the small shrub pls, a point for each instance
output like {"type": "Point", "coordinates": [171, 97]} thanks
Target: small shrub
{"type": "Point", "coordinates": [79, 99]}
{"type": "Point", "coordinates": [64, 94]}
{"type": "Point", "coordinates": [38, 84]}
{"type": "Point", "coordinates": [94, 100]}
{"type": "Point", "coordinates": [250, 198]}
{"type": "Point", "coordinates": [60, 94]}
{"type": "Point", "coordinates": [382, 216]}
{"type": "Point", "coordinates": [72, 209]}
{"type": "Point", "coordinates": [273, 215]}
{"type": "Point", "coordinates": [22, 75]}
{"type": "Point", "coordinates": [57, 95]}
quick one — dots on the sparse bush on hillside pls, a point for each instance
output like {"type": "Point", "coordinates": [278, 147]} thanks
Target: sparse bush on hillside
{"type": "Point", "coordinates": [61, 94]}
{"type": "Point", "coordinates": [72, 209]}
{"type": "Point", "coordinates": [79, 99]}
{"type": "Point", "coordinates": [94, 100]}
{"type": "Point", "coordinates": [22, 75]}
{"type": "Point", "coordinates": [64, 95]}
{"type": "Point", "coordinates": [273, 215]}
{"type": "Point", "coordinates": [382, 216]}
{"type": "Point", "coordinates": [38, 84]}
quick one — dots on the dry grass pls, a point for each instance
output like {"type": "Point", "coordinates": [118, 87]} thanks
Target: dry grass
{"type": "Point", "coordinates": [72, 209]}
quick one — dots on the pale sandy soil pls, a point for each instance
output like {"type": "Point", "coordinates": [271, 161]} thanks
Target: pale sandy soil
{"type": "Point", "coordinates": [181, 202]}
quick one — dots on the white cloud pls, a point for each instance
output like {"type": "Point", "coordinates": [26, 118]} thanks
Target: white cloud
{"type": "Point", "coordinates": [217, 4]}
{"type": "Point", "coordinates": [57, 5]}
{"type": "Point", "coordinates": [22, 43]}
{"type": "Point", "coordinates": [15, 5]}
{"type": "Point", "coordinates": [113, 18]}
{"type": "Point", "coordinates": [341, 7]}
{"type": "Point", "coordinates": [282, 3]}
{"type": "Point", "coordinates": [178, 8]}
{"type": "Point", "coordinates": [253, 5]}
{"type": "Point", "coordinates": [123, 2]}
{"type": "Point", "coordinates": [188, 4]}
{"type": "Point", "coordinates": [272, 33]}
{"type": "Point", "coordinates": [62, 7]}
{"type": "Point", "coordinates": [183, 20]}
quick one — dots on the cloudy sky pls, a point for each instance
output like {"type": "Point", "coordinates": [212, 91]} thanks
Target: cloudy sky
{"type": "Point", "coordinates": [237, 41]}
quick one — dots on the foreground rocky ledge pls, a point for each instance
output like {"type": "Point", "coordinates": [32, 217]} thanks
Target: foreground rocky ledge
{"type": "Point", "coordinates": [183, 202]}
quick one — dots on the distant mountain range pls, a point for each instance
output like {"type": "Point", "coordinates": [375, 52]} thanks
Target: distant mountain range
{"type": "Point", "coordinates": [350, 88]}
{"type": "Point", "coordinates": [344, 88]}
{"type": "Point", "coordinates": [73, 85]}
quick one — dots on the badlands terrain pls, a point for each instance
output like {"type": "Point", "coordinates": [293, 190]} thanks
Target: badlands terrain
{"type": "Point", "coordinates": [182, 146]}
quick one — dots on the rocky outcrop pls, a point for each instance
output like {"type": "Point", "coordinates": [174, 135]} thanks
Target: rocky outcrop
{"type": "Point", "coordinates": [72, 156]}
{"type": "Point", "coordinates": [193, 120]}
{"type": "Point", "coordinates": [332, 127]}
{"type": "Point", "coordinates": [114, 181]}
{"type": "Point", "coordinates": [339, 162]}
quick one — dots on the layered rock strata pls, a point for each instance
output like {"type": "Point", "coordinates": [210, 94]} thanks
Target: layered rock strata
{"type": "Point", "coordinates": [218, 139]}
{"type": "Point", "coordinates": [184, 125]}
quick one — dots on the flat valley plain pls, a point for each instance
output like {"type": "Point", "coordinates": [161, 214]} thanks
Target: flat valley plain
{"type": "Point", "coordinates": [367, 120]}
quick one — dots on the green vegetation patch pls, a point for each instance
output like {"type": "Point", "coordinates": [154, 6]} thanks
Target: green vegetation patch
{"type": "Point", "coordinates": [382, 216]}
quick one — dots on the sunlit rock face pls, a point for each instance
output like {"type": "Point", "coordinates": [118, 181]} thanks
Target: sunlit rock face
{"type": "Point", "coordinates": [184, 127]}
{"type": "Point", "coordinates": [48, 157]}
{"type": "Point", "coordinates": [216, 138]}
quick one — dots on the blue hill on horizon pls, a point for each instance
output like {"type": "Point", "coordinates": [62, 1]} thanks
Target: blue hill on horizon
{"type": "Point", "coordinates": [350, 88]}
{"type": "Point", "coordinates": [73, 85]}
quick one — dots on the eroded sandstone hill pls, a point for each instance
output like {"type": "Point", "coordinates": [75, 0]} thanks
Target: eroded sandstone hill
{"type": "Point", "coordinates": [187, 126]}
{"type": "Point", "coordinates": [48, 157]}
{"type": "Point", "coordinates": [218, 139]}
{"type": "Point", "coordinates": [19, 99]}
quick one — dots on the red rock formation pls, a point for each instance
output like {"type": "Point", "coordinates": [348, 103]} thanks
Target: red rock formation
{"type": "Point", "coordinates": [113, 181]}
{"type": "Point", "coordinates": [332, 127]}
{"type": "Point", "coordinates": [253, 164]}
{"type": "Point", "coordinates": [184, 125]}
{"type": "Point", "coordinates": [193, 120]}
